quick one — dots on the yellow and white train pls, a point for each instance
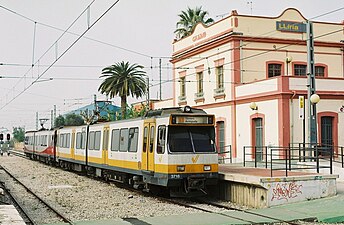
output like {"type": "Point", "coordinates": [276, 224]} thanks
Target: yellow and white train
{"type": "Point", "coordinates": [172, 148]}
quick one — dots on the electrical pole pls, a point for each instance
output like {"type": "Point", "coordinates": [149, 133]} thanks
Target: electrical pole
{"type": "Point", "coordinates": [51, 119]}
{"type": "Point", "coordinates": [54, 115]}
{"type": "Point", "coordinates": [160, 78]}
{"type": "Point", "coordinates": [95, 108]}
{"type": "Point", "coordinates": [36, 120]}
{"type": "Point", "coordinates": [312, 126]}
{"type": "Point", "coordinates": [148, 106]}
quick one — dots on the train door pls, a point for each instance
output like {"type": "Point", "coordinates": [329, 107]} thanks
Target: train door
{"type": "Point", "coordinates": [106, 131]}
{"type": "Point", "coordinates": [148, 145]}
{"type": "Point", "coordinates": [72, 146]}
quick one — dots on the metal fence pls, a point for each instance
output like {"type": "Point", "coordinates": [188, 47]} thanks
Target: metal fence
{"type": "Point", "coordinates": [287, 159]}
{"type": "Point", "coordinates": [225, 155]}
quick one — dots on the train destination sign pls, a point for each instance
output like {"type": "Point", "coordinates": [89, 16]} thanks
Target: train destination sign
{"type": "Point", "coordinates": [291, 26]}
{"type": "Point", "coordinates": [190, 120]}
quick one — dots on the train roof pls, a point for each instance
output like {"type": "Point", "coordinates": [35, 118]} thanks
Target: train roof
{"type": "Point", "coordinates": [174, 110]}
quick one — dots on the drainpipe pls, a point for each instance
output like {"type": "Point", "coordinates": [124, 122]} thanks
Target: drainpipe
{"type": "Point", "coordinates": [241, 62]}
{"type": "Point", "coordinates": [292, 117]}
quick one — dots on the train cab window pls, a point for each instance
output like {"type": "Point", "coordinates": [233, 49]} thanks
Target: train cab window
{"type": "Point", "coordinates": [91, 140]}
{"type": "Point", "coordinates": [191, 139]}
{"type": "Point", "coordinates": [161, 139]}
{"type": "Point", "coordinates": [115, 140]}
{"type": "Point", "coordinates": [145, 139]}
{"type": "Point", "coordinates": [203, 139]}
{"type": "Point", "coordinates": [26, 140]}
{"type": "Point", "coordinates": [123, 140]}
{"type": "Point", "coordinates": [97, 140]}
{"type": "Point", "coordinates": [133, 139]}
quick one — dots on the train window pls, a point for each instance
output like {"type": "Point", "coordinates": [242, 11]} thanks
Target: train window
{"type": "Point", "coordinates": [115, 140]}
{"type": "Point", "coordinates": [123, 140]}
{"type": "Point", "coordinates": [91, 140]}
{"type": "Point", "coordinates": [161, 139]}
{"type": "Point", "coordinates": [203, 139]}
{"type": "Point", "coordinates": [26, 140]}
{"type": "Point", "coordinates": [78, 140]}
{"type": "Point", "coordinates": [151, 141]}
{"type": "Point", "coordinates": [191, 139]}
{"type": "Point", "coordinates": [61, 140]}
{"type": "Point", "coordinates": [97, 141]}
{"type": "Point", "coordinates": [145, 138]}
{"type": "Point", "coordinates": [179, 139]}
{"type": "Point", "coordinates": [83, 139]}
{"type": "Point", "coordinates": [68, 141]}
{"type": "Point", "coordinates": [133, 139]}
{"type": "Point", "coordinates": [44, 140]}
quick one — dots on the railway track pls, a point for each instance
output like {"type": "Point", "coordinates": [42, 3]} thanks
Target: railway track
{"type": "Point", "coordinates": [205, 205]}
{"type": "Point", "coordinates": [35, 209]}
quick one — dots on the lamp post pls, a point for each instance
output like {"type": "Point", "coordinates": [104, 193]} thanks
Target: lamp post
{"type": "Point", "coordinates": [253, 106]}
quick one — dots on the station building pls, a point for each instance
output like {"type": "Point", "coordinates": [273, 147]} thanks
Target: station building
{"type": "Point", "coordinates": [250, 71]}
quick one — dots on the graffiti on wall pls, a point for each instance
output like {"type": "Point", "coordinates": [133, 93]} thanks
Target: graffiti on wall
{"type": "Point", "coordinates": [286, 191]}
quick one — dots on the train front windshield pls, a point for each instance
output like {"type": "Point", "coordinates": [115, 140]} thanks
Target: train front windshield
{"type": "Point", "coordinates": [191, 139]}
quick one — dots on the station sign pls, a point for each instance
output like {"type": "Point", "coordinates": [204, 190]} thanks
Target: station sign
{"type": "Point", "coordinates": [291, 26]}
{"type": "Point", "coordinates": [301, 107]}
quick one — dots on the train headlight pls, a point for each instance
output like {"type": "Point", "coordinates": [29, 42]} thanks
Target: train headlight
{"type": "Point", "coordinates": [180, 168]}
{"type": "Point", "coordinates": [207, 167]}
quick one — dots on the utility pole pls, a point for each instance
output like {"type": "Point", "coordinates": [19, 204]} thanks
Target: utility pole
{"type": "Point", "coordinates": [54, 115]}
{"type": "Point", "coordinates": [95, 108]}
{"type": "Point", "coordinates": [148, 106]}
{"type": "Point", "coordinates": [160, 77]}
{"type": "Point", "coordinates": [51, 119]}
{"type": "Point", "coordinates": [312, 126]}
{"type": "Point", "coordinates": [36, 120]}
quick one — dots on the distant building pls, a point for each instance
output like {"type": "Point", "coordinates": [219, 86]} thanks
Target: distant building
{"type": "Point", "coordinates": [250, 72]}
{"type": "Point", "coordinates": [105, 108]}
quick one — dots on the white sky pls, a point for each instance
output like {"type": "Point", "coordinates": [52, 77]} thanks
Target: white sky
{"type": "Point", "coordinates": [145, 27]}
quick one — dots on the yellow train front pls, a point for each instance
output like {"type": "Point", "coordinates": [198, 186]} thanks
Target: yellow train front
{"type": "Point", "coordinates": [172, 148]}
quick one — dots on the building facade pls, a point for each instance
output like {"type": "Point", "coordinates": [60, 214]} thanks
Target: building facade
{"type": "Point", "coordinates": [250, 72]}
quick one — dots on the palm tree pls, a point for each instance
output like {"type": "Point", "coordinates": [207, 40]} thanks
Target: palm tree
{"type": "Point", "coordinates": [189, 19]}
{"type": "Point", "coordinates": [123, 79]}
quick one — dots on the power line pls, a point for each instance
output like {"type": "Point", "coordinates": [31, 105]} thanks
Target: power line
{"type": "Point", "coordinates": [69, 32]}
{"type": "Point", "coordinates": [63, 52]}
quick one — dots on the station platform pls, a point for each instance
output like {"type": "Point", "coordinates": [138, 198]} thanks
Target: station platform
{"type": "Point", "coordinates": [10, 216]}
{"type": "Point", "coordinates": [254, 187]}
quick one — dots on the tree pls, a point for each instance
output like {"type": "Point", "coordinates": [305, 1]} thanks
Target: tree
{"type": "Point", "coordinates": [19, 133]}
{"type": "Point", "coordinates": [189, 19]}
{"type": "Point", "coordinates": [73, 120]}
{"type": "Point", "coordinates": [69, 120]}
{"type": "Point", "coordinates": [123, 79]}
{"type": "Point", "coordinates": [59, 121]}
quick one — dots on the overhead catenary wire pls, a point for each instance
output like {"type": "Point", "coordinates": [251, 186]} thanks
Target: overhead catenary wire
{"type": "Point", "coordinates": [63, 53]}
{"type": "Point", "coordinates": [250, 39]}
{"type": "Point", "coordinates": [51, 45]}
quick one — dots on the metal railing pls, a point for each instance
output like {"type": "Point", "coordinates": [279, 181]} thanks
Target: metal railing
{"type": "Point", "coordinates": [289, 158]}
{"type": "Point", "coordinates": [258, 153]}
{"type": "Point", "coordinates": [225, 155]}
